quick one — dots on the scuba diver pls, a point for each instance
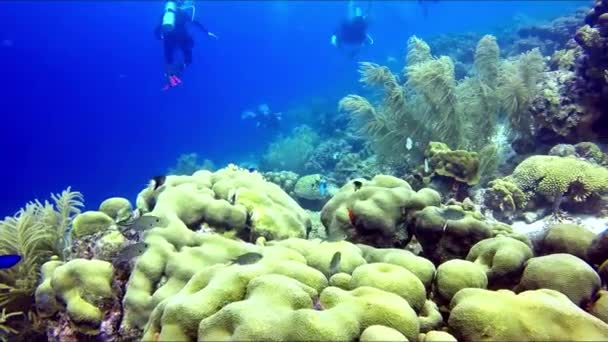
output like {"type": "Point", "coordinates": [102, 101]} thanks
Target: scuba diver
{"type": "Point", "coordinates": [352, 33]}
{"type": "Point", "coordinates": [173, 32]}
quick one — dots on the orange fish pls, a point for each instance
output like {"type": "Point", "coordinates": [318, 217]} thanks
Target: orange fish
{"type": "Point", "coordinates": [351, 216]}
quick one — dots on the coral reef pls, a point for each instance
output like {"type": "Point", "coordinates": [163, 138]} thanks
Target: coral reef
{"type": "Point", "coordinates": [285, 179]}
{"type": "Point", "coordinates": [462, 166]}
{"type": "Point", "coordinates": [188, 163]}
{"type": "Point", "coordinates": [544, 314]}
{"type": "Point", "coordinates": [375, 211]}
{"type": "Point", "coordinates": [36, 232]}
{"type": "Point", "coordinates": [81, 287]}
{"type": "Point", "coordinates": [545, 179]}
{"type": "Point", "coordinates": [231, 199]}
{"type": "Point", "coordinates": [280, 154]}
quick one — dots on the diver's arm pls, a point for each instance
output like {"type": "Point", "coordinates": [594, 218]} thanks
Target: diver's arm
{"type": "Point", "coordinates": [203, 28]}
{"type": "Point", "coordinates": [200, 26]}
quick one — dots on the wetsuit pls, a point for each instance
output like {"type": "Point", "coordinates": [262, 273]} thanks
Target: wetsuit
{"type": "Point", "coordinates": [179, 37]}
{"type": "Point", "coordinates": [352, 32]}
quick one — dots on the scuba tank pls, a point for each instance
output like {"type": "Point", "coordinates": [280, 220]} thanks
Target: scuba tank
{"type": "Point", "coordinates": [169, 16]}
{"type": "Point", "coordinates": [171, 8]}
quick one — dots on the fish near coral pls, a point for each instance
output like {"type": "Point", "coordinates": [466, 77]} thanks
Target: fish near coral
{"type": "Point", "coordinates": [247, 259]}
{"type": "Point", "coordinates": [131, 252]}
{"type": "Point", "coordinates": [357, 184]}
{"type": "Point", "coordinates": [352, 217]}
{"type": "Point", "coordinates": [142, 223]}
{"type": "Point", "coordinates": [8, 261]}
{"type": "Point", "coordinates": [334, 265]}
{"type": "Point", "coordinates": [158, 181]}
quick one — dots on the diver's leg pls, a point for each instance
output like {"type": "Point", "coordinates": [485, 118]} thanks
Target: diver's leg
{"type": "Point", "coordinates": [169, 49]}
{"type": "Point", "coordinates": [186, 47]}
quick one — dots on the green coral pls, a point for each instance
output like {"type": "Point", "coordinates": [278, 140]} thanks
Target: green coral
{"type": "Point", "coordinates": [307, 187]}
{"type": "Point", "coordinates": [461, 165]}
{"type": "Point", "coordinates": [455, 275]}
{"type": "Point", "coordinates": [552, 176]}
{"type": "Point", "coordinates": [208, 299]}
{"type": "Point", "coordinates": [504, 196]}
{"type": "Point", "coordinates": [568, 238]}
{"type": "Point", "coordinates": [118, 208]}
{"type": "Point", "coordinates": [591, 152]}
{"type": "Point", "coordinates": [36, 232]}
{"type": "Point", "coordinates": [91, 222]}
{"type": "Point", "coordinates": [83, 285]}
{"type": "Point", "coordinates": [547, 315]}
{"type": "Point", "coordinates": [231, 199]}
{"type": "Point", "coordinates": [291, 152]}
{"type": "Point", "coordinates": [375, 211]}
{"type": "Point", "coordinates": [561, 272]}
{"type": "Point", "coordinates": [502, 258]}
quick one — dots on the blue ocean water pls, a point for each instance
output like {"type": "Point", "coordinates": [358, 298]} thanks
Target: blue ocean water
{"type": "Point", "coordinates": [81, 95]}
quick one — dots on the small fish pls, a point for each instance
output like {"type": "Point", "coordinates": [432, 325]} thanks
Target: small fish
{"type": "Point", "coordinates": [131, 252]}
{"type": "Point", "coordinates": [308, 229]}
{"type": "Point", "coordinates": [426, 166]}
{"type": "Point", "coordinates": [158, 181]}
{"type": "Point", "coordinates": [247, 258]}
{"type": "Point", "coordinates": [357, 184]}
{"type": "Point", "coordinates": [142, 223]}
{"type": "Point", "coordinates": [251, 169]}
{"type": "Point", "coordinates": [409, 143]}
{"type": "Point", "coordinates": [334, 265]}
{"type": "Point", "coordinates": [8, 261]}
{"type": "Point", "coordinates": [323, 187]}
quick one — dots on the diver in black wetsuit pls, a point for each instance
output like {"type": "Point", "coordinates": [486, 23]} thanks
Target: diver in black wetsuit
{"type": "Point", "coordinates": [352, 32]}
{"type": "Point", "coordinates": [174, 33]}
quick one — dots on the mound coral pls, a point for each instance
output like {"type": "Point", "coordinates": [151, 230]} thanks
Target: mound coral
{"type": "Point", "coordinates": [455, 275]}
{"type": "Point", "coordinates": [208, 299]}
{"type": "Point", "coordinates": [83, 286]}
{"type": "Point", "coordinates": [568, 238]}
{"type": "Point", "coordinates": [448, 233]}
{"type": "Point", "coordinates": [481, 315]}
{"type": "Point", "coordinates": [503, 259]}
{"type": "Point", "coordinates": [230, 199]}
{"type": "Point", "coordinates": [375, 211]}
{"type": "Point", "coordinates": [561, 272]}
